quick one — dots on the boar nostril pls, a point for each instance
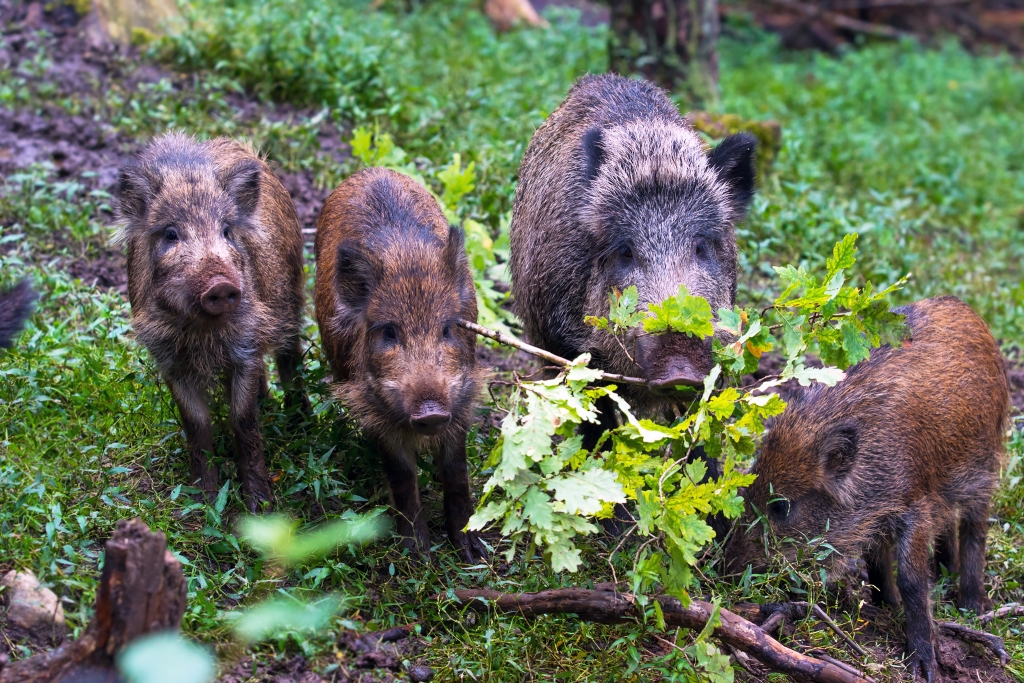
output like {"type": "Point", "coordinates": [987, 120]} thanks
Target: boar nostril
{"type": "Point", "coordinates": [430, 419]}
{"type": "Point", "coordinates": [222, 297]}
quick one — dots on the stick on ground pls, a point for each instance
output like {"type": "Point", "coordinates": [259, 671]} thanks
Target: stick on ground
{"type": "Point", "coordinates": [612, 607]}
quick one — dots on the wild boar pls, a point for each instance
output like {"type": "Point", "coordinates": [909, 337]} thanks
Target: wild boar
{"type": "Point", "coordinates": [904, 452]}
{"type": "Point", "coordinates": [615, 190]}
{"type": "Point", "coordinates": [392, 281]}
{"type": "Point", "coordinates": [215, 280]}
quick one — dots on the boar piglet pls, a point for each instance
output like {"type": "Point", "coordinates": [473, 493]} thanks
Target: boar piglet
{"type": "Point", "coordinates": [902, 453]}
{"type": "Point", "coordinates": [616, 189]}
{"type": "Point", "coordinates": [15, 306]}
{"type": "Point", "coordinates": [214, 257]}
{"type": "Point", "coordinates": [392, 280]}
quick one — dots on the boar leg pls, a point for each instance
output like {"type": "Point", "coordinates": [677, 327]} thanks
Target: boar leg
{"type": "Point", "coordinates": [195, 419]}
{"type": "Point", "coordinates": [289, 367]}
{"type": "Point", "coordinates": [973, 529]}
{"type": "Point", "coordinates": [883, 585]}
{"type": "Point", "coordinates": [410, 521]}
{"type": "Point", "coordinates": [244, 397]}
{"type": "Point", "coordinates": [450, 463]}
{"type": "Point", "coordinates": [912, 556]}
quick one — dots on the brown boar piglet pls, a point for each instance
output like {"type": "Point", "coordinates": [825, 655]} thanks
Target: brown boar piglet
{"type": "Point", "coordinates": [392, 280]}
{"type": "Point", "coordinates": [214, 257]}
{"type": "Point", "coordinates": [902, 453]}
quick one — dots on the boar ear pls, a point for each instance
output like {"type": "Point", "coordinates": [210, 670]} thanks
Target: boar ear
{"type": "Point", "coordinates": [353, 275]}
{"type": "Point", "coordinates": [136, 188]}
{"type": "Point", "coordinates": [242, 183]}
{"type": "Point", "coordinates": [458, 264]}
{"type": "Point", "coordinates": [734, 161]}
{"type": "Point", "coordinates": [593, 151]}
{"type": "Point", "coordinates": [839, 449]}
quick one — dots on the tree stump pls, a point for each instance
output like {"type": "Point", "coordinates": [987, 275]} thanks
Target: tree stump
{"type": "Point", "coordinates": [673, 43]}
{"type": "Point", "coordinates": [142, 590]}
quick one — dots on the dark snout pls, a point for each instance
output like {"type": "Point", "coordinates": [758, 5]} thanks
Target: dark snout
{"type": "Point", "coordinates": [674, 360]}
{"type": "Point", "coordinates": [430, 419]}
{"type": "Point", "coordinates": [221, 296]}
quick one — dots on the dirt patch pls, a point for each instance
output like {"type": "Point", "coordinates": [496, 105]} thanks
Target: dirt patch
{"type": "Point", "coordinates": [295, 670]}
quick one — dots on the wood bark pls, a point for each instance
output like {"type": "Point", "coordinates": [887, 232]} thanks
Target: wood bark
{"type": "Point", "coordinates": [673, 43]}
{"type": "Point", "coordinates": [609, 606]}
{"type": "Point", "coordinates": [142, 590]}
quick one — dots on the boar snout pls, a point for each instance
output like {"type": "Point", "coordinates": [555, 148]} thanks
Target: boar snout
{"type": "Point", "coordinates": [222, 296]}
{"type": "Point", "coordinates": [430, 418]}
{"type": "Point", "coordinates": [673, 360]}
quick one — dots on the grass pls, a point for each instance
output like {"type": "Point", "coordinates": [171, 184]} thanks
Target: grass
{"type": "Point", "coordinates": [914, 148]}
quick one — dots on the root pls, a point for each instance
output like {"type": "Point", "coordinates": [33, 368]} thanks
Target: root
{"type": "Point", "coordinates": [609, 606]}
{"type": "Point", "coordinates": [1011, 609]}
{"type": "Point", "coordinates": [993, 643]}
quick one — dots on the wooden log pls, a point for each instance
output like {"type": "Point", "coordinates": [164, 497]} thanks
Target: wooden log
{"type": "Point", "coordinates": [142, 590]}
{"type": "Point", "coordinates": [608, 606]}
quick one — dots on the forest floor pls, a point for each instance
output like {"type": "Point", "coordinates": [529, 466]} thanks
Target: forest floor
{"type": "Point", "coordinates": [917, 149]}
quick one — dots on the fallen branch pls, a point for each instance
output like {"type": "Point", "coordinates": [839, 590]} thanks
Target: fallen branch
{"type": "Point", "coordinates": [541, 353]}
{"type": "Point", "coordinates": [606, 607]}
{"type": "Point", "coordinates": [843, 21]}
{"type": "Point", "coordinates": [798, 610]}
{"type": "Point", "coordinates": [142, 590]}
{"type": "Point", "coordinates": [993, 643]}
{"type": "Point", "coordinates": [1012, 609]}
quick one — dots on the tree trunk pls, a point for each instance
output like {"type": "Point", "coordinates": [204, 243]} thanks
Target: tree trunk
{"type": "Point", "coordinates": [142, 590]}
{"type": "Point", "coordinates": [673, 43]}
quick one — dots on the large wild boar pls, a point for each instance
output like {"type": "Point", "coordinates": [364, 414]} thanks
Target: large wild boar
{"type": "Point", "coordinates": [615, 190]}
{"type": "Point", "coordinates": [214, 257]}
{"type": "Point", "coordinates": [904, 452]}
{"type": "Point", "coordinates": [392, 280]}
{"type": "Point", "coordinates": [15, 306]}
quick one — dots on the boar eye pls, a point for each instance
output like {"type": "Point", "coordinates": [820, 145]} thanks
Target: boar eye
{"type": "Point", "coordinates": [626, 252]}
{"type": "Point", "coordinates": [227, 232]}
{"type": "Point", "coordinates": [779, 509]}
{"type": "Point", "coordinates": [388, 333]}
{"type": "Point", "coordinates": [701, 250]}
{"type": "Point", "coordinates": [170, 234]}
{"type": "Point", "coordinates": [446, 332]}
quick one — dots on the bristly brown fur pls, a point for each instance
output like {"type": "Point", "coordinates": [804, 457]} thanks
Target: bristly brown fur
{"type": "Point", "coordinates": [615, 190]}
{"type": "Point", "coordinates": [903, 454]}
{"type": "Point", "coordinates": [391, 280]}
{"type": "Point", "coordinates": [231, 220]}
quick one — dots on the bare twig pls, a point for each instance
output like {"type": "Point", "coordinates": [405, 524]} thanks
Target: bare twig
{"type": "Point", "coordinates": [1010, 609]}
{"type": "Point", "coordinates": [838, 631]}
{"type": "Point", "coordinates": [612, 607]}
{"type": "Point", "coordinates": [993, 643]}
{"type": "Point", "coordinates": [541, 353]}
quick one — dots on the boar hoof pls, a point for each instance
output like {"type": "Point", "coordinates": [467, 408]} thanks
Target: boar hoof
{"type": "Point", "coordinates": [922, 661]}
{"type": "Point", "coordinates": [471, 548]}
{"type": "Point", "coordinates": [257, 496]}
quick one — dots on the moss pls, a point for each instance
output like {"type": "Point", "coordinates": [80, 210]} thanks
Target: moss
{"type": "Point", "coordinates": [142, 37]}
{"type": "Point", "coordinates": [718, 126]}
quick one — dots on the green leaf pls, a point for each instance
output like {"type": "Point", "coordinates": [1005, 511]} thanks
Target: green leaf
{"type": "Point", "coordinates": [282, 614]}
{"type": "Point", "coordinates": [586, 491]}
{"type": "Point", "coordinates": [274, 535]}
{"type": "Point", "coordinates": [682, 313]}
{"type": "Point", "coordinates": [166, 657]}
{"type": "Point", "coordinates": [537, 509]}
{"type": "Point", "coordinates": [622, 307]}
